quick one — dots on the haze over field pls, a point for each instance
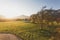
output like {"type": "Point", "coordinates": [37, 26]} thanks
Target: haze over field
{"type": "Point", "coordinates": [12, 8]}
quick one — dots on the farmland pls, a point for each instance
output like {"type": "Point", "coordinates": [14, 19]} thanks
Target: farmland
{"type": "Point", "coordinates": [27, 31]}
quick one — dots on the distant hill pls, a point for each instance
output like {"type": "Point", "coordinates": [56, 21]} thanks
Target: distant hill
{"type": "Point", "coordinates": [2, 18]}
{"type": "Point", "coordinates": [22, 17]}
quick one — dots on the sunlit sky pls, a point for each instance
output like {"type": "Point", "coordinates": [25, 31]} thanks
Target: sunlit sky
{"type": "Point", "coordinates": [12, 8]}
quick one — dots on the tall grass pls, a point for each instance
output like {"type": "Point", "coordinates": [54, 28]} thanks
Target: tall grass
{"type": "Point", "coordinates": [26, 31]}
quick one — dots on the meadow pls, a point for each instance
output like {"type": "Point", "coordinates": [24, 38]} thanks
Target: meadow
{"type": "Point", "coordinates": [24, 30]}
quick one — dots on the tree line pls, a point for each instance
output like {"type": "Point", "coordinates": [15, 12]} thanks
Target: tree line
{"type": "Point", "coordinates": [46, 15]}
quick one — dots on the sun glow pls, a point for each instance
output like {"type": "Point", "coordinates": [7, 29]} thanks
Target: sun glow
{"type": "Point", "coordinates": [13, 8]}
{"type": "Point", "coordinates": [9, 15]}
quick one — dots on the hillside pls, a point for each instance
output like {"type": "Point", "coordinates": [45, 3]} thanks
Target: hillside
{"type": "Point", "coordinates": [22, 17]}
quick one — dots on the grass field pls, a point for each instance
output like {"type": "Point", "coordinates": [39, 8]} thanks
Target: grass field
{"type": "Point", "coordinates": [26, 31]}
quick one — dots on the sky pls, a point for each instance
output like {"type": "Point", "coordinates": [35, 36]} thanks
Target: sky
{"type": "Point", "coordinates": [12, 8]}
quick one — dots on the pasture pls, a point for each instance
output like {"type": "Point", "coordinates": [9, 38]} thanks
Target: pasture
{"type": "Point", "coordinates": [26, 31]}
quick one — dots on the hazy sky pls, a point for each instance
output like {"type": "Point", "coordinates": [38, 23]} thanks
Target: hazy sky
{"type": "Point", "coordinates": [12, 8]}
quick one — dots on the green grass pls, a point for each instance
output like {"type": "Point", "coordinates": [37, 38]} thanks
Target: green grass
{"type": "Point", "coordinates": [26, 31]}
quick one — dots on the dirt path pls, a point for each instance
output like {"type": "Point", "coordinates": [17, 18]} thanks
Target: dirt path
{"type": "Point", "coordinates": [8, 37]}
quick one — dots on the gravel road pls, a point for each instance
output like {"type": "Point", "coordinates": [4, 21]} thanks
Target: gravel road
{"type": "Point", "coordinates": [8, 37]}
